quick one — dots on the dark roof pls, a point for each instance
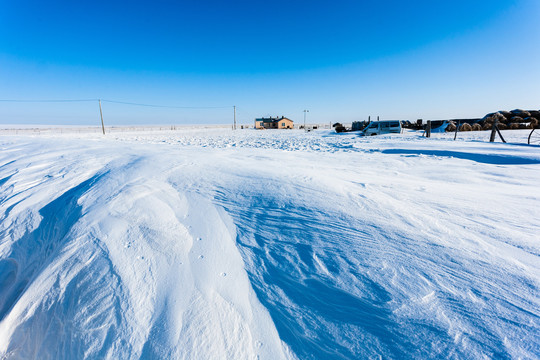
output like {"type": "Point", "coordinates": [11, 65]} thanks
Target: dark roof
{"type": "Point", "coordinates": [272, 119]}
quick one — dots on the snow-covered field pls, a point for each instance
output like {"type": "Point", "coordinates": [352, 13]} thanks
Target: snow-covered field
{"type": "Point", "coordinates": [214, 244]}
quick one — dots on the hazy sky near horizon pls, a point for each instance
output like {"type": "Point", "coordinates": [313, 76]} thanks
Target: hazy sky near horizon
{"type": "Point", "coordinates": [343, 60]}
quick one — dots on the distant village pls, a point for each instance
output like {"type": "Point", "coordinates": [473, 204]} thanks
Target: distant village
{"type": "Point", "coordinates": [502, 120]}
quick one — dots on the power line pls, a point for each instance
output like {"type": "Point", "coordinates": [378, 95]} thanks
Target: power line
{"type": "Point", "coordinates": [166, 106]}
{"type": "Point", "coordinates": [48, 101]}
{"type": "Point", "coordinates": [119, 102]}
{"type": "Point", "coordinates": [116, 102]}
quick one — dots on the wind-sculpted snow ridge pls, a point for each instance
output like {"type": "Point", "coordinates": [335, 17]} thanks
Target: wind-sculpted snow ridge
{"type": "Point", "coordinates": [400, 278]}
{"type": "Point", "coordinates": [121, 266]}
{"type": "Point", "coordinates": [308, 246]}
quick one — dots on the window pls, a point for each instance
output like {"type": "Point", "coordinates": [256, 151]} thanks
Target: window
{"type": "Point", "coordinates": [282, 124]}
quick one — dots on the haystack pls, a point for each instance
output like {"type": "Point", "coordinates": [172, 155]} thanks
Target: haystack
{"type": "Point", "coordinates": [476, 127]}
{"type": "Point", "coordinates": [465, 127]}
{"type": "Point", "coordinates": [500, 117]}
{"type": "Point", "coordinates": [532, 121]}
{"type": "Point", "coordinates": [517, 119]}
{"type": "Point", "coordinates": [488, 116]}
{"type": "Point", "coordinates": [506, 114]}
{"type": "Point", "coordinates": [521, 113]}
{"type": "Point", "coordinates": [535, 113]}
{"type": "Point", "coordinates": [451, 126]}
{"type": "Point", "coordinates": [514, 119]}
{"type": "Point", "coordinates": [504, 119]}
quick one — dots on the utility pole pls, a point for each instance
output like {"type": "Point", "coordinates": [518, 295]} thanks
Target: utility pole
{"type": "Point", "coordinates": [234, 126]}
{"type": "Point", "coordinates": [101, 114]}
{"type": "Point", "coordinates": [305, 112]}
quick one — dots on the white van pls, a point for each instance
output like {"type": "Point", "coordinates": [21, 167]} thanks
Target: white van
{"type": "Point", "coordinates": [382, 127]}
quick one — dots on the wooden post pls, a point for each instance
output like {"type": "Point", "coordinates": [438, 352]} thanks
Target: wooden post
{"type": "Point", "coordinates": [428, 129]}
{"type": "Point", "coordinates": [101, 114]}
{"type": "Point", "coordinates": [493, 130]}
{"type": "Point", "coordinates": [457, 127]}
{"type": "Point", "coordinates": [500, 135]}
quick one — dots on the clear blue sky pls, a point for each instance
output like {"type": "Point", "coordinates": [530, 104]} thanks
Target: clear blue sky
{"type": "Point", "coordinates": [342, 60]}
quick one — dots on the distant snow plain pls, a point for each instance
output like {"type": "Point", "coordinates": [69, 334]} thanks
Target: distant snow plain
{"type": "Point", "coordinates": [221, 244]}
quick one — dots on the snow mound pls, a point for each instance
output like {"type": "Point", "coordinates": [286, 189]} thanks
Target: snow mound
{"type": "Point", "coordinates": [122, 267]}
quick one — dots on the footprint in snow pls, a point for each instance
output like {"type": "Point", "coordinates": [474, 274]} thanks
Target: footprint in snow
{"type": "Point", "coordinates": [201, 256]}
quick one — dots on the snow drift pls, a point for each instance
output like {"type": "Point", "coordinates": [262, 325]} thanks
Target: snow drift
{"type": "Point", "coordinates": [237, 245]}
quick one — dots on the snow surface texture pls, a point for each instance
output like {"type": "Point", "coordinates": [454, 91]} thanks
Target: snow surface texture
{"type": "Point", "coordinates": [214, 244]}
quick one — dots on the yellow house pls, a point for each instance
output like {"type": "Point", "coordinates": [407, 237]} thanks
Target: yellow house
{"type": "Point", "coordinates": [274, 123]}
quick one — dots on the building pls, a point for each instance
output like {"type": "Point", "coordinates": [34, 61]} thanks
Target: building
{"type": "Point", "coordinates": [274, 123]}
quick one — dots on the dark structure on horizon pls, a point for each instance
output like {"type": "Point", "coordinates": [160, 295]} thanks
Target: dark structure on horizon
{"type": "Point", "coordinates": [274, 123]}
